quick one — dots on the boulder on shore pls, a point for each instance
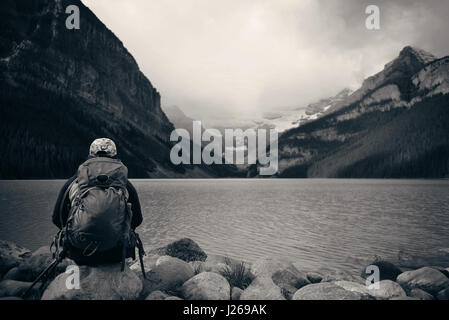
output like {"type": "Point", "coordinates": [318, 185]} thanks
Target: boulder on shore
{"type": "Point", "coordinates": [167, 275]}
{"type": "Point", "coordinates": [314, 277]}
{"type": "Point", "coordinates": [156, 295]}
{"type": "Point", "coordinates": [19, 275]}
{"type": "Point", "coordinates": [387, 270]}
{"type": "Point", "coordinates": [149, 262]}
{"type": "Point", "coordinates": [41, 259]}
{"type": "Point", "coordinates": [387, 289]}
{"type": "Point", "coordinates": [13, 288]}
{"type": "Point", "coordinates": [11, 255]}
{"type": "Point", "coordinates": [185, 249]}
{"type": "Point", "coordinates": [37, 262]}
{"type": "Point", "coordinates": [357, 288]}
{"type": "Point", "coordinates": [262, 288]}
{"type": "Point", "coordinates": [282, 273]}
{"type": "Point", "coordinates": [173, 298]}
{"type": "Point", "coordinates": [443, 270]}
{"type": "Point", "coordinates": [289, 281]}
{"type": "Point", "coordinates": [404, 298]}
{"type": "Point", "coordinates": [327, 291]}
{"type": "Point", "coordinates": [427, 279]}
{"type": "Point", "coordinates": [104, 282]}
{"type": "Point", "coordinates": [421, 294]}
{"type": "Point", "coordinates": [206, 286]}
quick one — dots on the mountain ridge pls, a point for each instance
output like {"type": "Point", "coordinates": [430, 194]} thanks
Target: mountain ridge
{"type": "Point", "coordinates": [367, 135]}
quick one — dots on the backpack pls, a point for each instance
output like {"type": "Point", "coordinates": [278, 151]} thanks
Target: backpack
{"type": "Point", "coordinates": [99, 218]}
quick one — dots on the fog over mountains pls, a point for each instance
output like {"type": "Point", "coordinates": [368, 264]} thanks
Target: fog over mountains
{"type": "Point", "coordinates": [60, 89]}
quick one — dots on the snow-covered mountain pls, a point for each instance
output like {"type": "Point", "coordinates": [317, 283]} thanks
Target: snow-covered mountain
{"type": "Point", "coordinates": [394, 125]}
{"type": "Point", "coordinates": [315, 110]}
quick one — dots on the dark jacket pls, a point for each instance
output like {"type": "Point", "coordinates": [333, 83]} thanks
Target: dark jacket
{"type": "Point", "coordinates": [60, 215]}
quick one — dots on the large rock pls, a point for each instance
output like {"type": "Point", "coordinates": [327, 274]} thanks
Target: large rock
{"type": "Point", "coordinates": [387, 289]}
{"type": "Point", "coordinates": [289, 281]}
{"type": "Point", "coordinates": [443, 270]}
{"type": "Point", "coordinates": [262, 288]}
{"type": "Point", "coordinates": [19, 275]}
{"type": "Point", "coordinates": [387, 270]}
{"type": "Point", "coordinates": [197, 266]}
{"type": "Point", "coordinates": [41, 259]}
{"type": "Point", "coordinates": [173, 298]}
{"type": "Point", "coordinates": [105, 282]}
{"type": "Point", "coordinates": [13, 288]}
{"type": "Point", "coordinates": [314, 277]}
{"type": "Point", "coordinates": [427, 279]}
{"type": "Point", "coordinates": [356, 287]}
{"type": "Point", "coordinates": [283, 274]}
{"type": "Point", "coordinates": [156, 295]}
{"type": "Point", "coordinates": [327, 291]}
{"type": "Point", "coordinates": [11, 255]}
{"type": "Point", "coordinates": [206, 286]}
{"type": "Point", "coordinates": [167, 275]}
{"type": "Point", "coordinates": [185, 249]}
{"type": "Point", "coordinates": [37, 262]}
{"type": "Point", "coordinates": [404, 298]}
{"type": "Point", "coordinates": [421, 294]}
{"type": "Point", "coordinates": [149, 262]}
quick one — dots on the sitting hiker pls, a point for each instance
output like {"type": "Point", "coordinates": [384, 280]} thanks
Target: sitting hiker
{"type": "Point", "coordinates": [98, 209]}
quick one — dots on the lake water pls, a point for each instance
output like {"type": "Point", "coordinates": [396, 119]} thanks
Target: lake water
{"type": "Point", "coordinates": [318, 223]}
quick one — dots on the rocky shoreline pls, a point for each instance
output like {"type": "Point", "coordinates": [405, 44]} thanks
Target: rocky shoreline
{"type": "Point", "coordinates": [183, 271]}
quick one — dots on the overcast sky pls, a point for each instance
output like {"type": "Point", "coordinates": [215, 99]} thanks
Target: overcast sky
{"type": "Point", "coordinates": [240, 58]}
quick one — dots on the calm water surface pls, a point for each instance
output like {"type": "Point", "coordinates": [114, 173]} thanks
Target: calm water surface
{"type": "Point", "coordinates": [322, 223]}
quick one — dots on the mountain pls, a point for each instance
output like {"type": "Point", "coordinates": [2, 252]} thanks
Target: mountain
{"type": "Point", "coordinates": [61, 88]}
{"type": "Point", "coordinates": [315, 110]}
{"type": "Point", "coordinates": [179, 119]}
{"type": "Point", "coordinates": [394, 126]}
{"type": "Point", "coordinates": [285, 118]}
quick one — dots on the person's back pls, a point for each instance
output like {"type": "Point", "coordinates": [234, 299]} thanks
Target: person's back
{"type": "Point", "coordinates": [98, 209]}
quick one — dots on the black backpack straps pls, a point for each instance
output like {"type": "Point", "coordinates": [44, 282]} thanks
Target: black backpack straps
{"type": "Point", "coordinates": [141, 253]}
{"type": "Point", "coordinates": [61, 208]}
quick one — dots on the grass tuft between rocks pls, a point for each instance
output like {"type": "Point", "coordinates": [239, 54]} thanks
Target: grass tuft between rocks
{"type": "Point", "coordinates": [238, 274]}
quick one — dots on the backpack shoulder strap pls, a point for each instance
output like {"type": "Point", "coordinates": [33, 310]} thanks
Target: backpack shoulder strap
{"type": "Point", "coordinates": [61, 208]}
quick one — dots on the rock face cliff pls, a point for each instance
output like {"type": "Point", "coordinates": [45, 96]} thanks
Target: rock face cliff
{"type": "Point", "coordinates": [61, 88]}
{"type": "Point", "coordinates": [395, 125]}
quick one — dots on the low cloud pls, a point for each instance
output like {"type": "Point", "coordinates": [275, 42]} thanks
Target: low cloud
{"type": "Point", "coordinates": [239, 58]}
